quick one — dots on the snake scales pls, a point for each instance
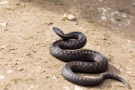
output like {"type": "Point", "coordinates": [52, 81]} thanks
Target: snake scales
{"type": "Point", "coordinates": [80, 60]}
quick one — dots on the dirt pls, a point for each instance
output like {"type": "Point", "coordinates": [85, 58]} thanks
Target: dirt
{"type": "Point", "coordinates": [25, 61]}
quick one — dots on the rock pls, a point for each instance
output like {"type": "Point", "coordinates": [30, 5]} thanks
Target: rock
{"type": "Point", "coordinates": [124, 16]}
{"type": "Point", "coordinates": [69, 17]}
{"type": "Point", "coordinates": [66, 88]}
{"type": "Point", "coordinates": [128, 72]}
{"type": "Point", "coordinates": [76, 23]}
{"type": "Point", "coordinates": [31, 86]}
{"type": "Point", "coordinates": [3, 24]}
{"type": "Point", "coordinates": [2, 77]}
{"type": "Point", "coordinates": [133, 5]}
{"type": "Point", "coordinates": [2, 47]}
{"type": "Point", "coordinates": [100, 0]}
{"type": "Point", "coordinates": [53, 77]}
{"type": "Point", "coordinates": [4, 2]}
{"type": "Point", "coordinates": [9, 71]}
{"type": "Point", "coordinates": [128, 68]}
{"type": "Point", "coordinates": [77, 88]}
{"type": "Point", "coordinates": [129, 41]}
{"type": "Point", "coordinates": [103, 18]}
{"type": "Point", "coordinates": [65, 16]}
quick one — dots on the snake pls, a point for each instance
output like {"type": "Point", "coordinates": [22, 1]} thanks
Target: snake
{"type": "Point", "coordinates": [78, 60]}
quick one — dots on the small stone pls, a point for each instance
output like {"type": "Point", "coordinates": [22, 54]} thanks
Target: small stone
{"type": "Point", "coordinates": [128, 22]}
{"type": "Point", "coordinates": [103, 18]}
{"type": "Point", "coordinates": [133, 5]}
{"type": "Point", "coordinates": [65, 16]}
{"type": "Point", "coordinates": [77, 88]}
{"type": "Point", "coordinates": [3, 24]}
{"type": "Point", "coordinates": [2, 47]}
{"type": "Point", "coordinates": [80, 28]}
{"type": "Point", "coordinates": [9, 71]}
{"type": "Point", "coordinates": [128, 68]}
{"type": "Point", "coordinates": [116, 12]}
{"type": "Point", "coordinates": [100, 0]}
{"type": "Point", "coordinates": [129, 41]}
{"type": "Point", "coordinates": [31, 86]}
{"type": "Point", "coordinates": [128, 72]}
{"type": "Point", "coordinates": [4, 2]}
{"type": "Point", "coordinates": [66, 88]}
{"type": "Point", "coordinates": [124, 15]}
{"type": "Point", "coordinates": [76, 23]}
{"type": "Point", "coordinates": [71, 17]}
{"type": "Point", "coordinates": [2, 77]}
{"type": "Point", "coordinates": [53, 77]}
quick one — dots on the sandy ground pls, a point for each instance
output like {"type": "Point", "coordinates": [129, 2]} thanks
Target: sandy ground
{"type": "Point", "coordinates": [25, 61]}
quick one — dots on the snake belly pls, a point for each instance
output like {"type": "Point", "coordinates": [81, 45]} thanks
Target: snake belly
{"type": "Point", "coordinates": [80, 60]}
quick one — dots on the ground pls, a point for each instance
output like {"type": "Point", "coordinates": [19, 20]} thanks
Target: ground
{"type": "Point", "coordinates": [25, 61]}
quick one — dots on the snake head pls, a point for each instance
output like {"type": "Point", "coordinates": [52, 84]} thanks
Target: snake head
{"type": "Point", "coordinates": [58, 31]}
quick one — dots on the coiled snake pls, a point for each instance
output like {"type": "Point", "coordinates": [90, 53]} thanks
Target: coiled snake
{"type": "Point", "coordinates": [80, 60]}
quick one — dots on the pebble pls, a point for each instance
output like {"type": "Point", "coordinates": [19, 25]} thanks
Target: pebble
{"type": "Point", "coordinates": [129, 41]}
{"type": "Point", "coordinates": [3, 24]}
{"type": "Point", "coordinates": [128, 68]}
{"type": "Point", "coordinates": [4, 2]}
{"type": "Point", "coordinates": [53, 77]}
{"type": "Point", "coordinates": [116, 12]}
{"type": "Point", "coordinates": [77, 88]}
{"type": "Point", "coordinates": [2, 77]}
{"type": "Point", "coordinates": [69, 17]}
{"type": "Point", "coordinates": [80, 28]}
{"type": "Point", "coordinates": [65, 16]}
{"type": "Point", "coordinates": [31, 86]}
{"type": "Point", "coordinates": [66, 88]}
{"type": "Point", "coordinates": [100, 0]}
{"type": "Point", "coordinates": [128, 22]}
{"type": "Point", "coordinates": [103, 18]}
{"type": "Point", "coordinates": [76, 23]}
{"type": "Point", "coordinates": [124, 16]}
{"type": "Point", "coordinates": [9, 71]}
{"type": "Point", "coordinates": [133, 5]}
{"type": "Point", "coordinates": [2, 47]}
{"type": "Point", "coordinates": [128, 72]}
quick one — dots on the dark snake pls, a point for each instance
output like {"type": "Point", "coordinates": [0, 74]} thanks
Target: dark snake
{"type": "Point", "coordinates": [80, 60]}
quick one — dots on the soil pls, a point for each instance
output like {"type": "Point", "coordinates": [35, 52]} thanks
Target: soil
{"type": "Point", "coordinates": [26, 35]}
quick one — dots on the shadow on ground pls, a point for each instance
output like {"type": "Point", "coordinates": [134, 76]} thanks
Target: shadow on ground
{"type": "Point", "coordinates": [117, 16]}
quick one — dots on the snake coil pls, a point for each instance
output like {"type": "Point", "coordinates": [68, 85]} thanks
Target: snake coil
{"type": "Point", "coordinates": [80, 60]}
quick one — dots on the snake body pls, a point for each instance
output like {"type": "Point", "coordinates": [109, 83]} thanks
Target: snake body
{"type": "Point", "coordinates": [80, 60]}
